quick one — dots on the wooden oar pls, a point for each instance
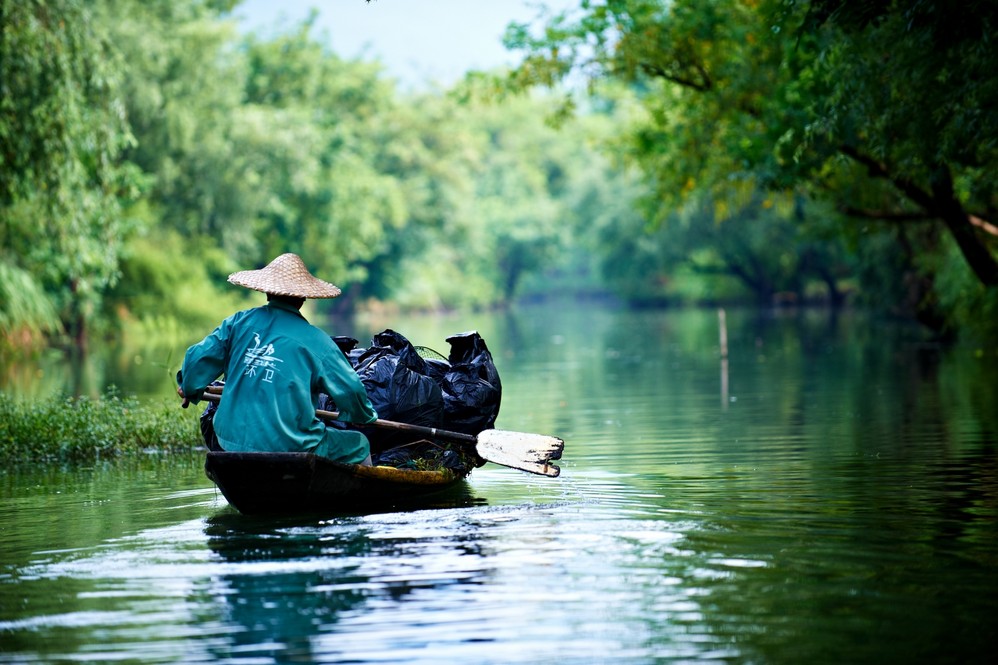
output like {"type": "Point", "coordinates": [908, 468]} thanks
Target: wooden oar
{"type": "Point", "coordinates": [517, 450]}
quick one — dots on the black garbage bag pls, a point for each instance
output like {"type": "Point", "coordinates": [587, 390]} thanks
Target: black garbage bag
{"type": "Point", "coordinates": [402, 382]}
{"type": "Point", "coordinates": [207, 423]}
{"type": "Point", "coordinates": [348, 345]}
{"type": "Point", "coordinates": [399, 388]}
{"type": "Point", "coordinates": [471, 387]}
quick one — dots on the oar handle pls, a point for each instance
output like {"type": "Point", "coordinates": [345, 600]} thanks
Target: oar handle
{"type": "Point", "coordinates": [214, 394]}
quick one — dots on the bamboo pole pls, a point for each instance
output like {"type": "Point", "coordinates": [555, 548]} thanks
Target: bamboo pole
{"type": "Point", "coordinates": [722, 324]}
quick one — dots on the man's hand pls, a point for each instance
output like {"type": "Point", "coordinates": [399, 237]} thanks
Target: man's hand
{"type": "Point", "coordinates": [186, 403]}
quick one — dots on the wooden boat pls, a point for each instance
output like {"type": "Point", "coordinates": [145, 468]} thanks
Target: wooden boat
{"type": "Point", "coordinates": [302, 483]}
{"type": "Point", "coordinates": [258, 482]}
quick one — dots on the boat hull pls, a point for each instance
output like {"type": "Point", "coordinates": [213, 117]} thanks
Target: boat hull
{"type": "Point", "coordinates": [300, 483]}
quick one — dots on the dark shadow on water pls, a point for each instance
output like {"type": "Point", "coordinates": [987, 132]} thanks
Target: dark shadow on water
{"type": "Point", "coordinates": [289, 578]}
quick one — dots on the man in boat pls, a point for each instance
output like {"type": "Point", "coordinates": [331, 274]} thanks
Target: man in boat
{"type": "Point", "coordinates": [275, 365]}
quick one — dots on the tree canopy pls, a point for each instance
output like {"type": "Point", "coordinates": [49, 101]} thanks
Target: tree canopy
{"type": "Point", "coordinates": [63, 129]}
{"type": "Point", "coordinates": [150, 149]}
{"type": "Point", "coordinates": [884, 109]}
{"type": "Point", "coordinates": [761, 150]}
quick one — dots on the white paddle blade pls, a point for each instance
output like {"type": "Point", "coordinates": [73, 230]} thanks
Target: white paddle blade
{"type": "Point", "coordinates": [518, 450]}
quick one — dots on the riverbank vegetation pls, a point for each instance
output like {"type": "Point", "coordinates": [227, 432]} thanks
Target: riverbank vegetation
{"type": "Point", "coordinates": [87, 430]}
{"type": "Point", "coordinates": [765, 152]}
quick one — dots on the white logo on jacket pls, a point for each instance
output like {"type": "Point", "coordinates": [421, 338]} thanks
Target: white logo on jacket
{"type": "Point", "coordinates": [261, 357]}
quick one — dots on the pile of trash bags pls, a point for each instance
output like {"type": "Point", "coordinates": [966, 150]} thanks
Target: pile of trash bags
{"type": "Point", "coordinates": [419, 386]}
{"type": "Point", "coordinates": [416, 385]}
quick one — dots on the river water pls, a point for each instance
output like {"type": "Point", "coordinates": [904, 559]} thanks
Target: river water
{"type": "Point", "coordinates": [828, 494]}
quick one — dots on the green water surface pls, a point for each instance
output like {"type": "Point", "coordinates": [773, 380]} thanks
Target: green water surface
{"type": "Point", "coordinates": [826, 494]}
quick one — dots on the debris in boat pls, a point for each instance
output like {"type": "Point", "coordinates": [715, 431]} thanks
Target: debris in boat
{"type": "Point", "coordinates": [424, 455]}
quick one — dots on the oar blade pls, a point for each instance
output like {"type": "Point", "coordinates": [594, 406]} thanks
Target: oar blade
{"type": "Point", "coordinates": [519, 450]}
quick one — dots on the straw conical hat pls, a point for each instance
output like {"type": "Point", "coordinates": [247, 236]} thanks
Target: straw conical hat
{"type": "Point", "coordinates": [285, 276]}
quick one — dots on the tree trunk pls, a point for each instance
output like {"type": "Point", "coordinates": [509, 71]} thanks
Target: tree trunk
{"type": "Point", "coordinates": [835, 296]}
{"type": "Point", "coordinates": [940, 203]}
{"type": "Point", "coordinates": [77, 324]}
{"type": "Point", "coordinates": [975, 252]}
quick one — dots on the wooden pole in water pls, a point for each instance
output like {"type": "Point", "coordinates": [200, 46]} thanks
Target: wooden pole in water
{"type": "Point", "coordinates": [722, 322]}
{"type": "Point", "coordinates": [723, 325]}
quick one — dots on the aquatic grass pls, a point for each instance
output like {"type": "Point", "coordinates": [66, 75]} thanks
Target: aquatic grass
{"type": "Point", "coordinates": [82, 429]}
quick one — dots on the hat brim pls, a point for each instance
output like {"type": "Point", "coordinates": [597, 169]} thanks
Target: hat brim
{"type": "Point", "coordinates": [285, 276]}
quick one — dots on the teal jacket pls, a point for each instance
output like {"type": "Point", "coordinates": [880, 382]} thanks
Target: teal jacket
{"type": "Point", "coordinates": [275, 365]}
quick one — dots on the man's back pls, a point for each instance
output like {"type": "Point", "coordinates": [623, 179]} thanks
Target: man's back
{"type": "Point", "coordinates": [275, 364]}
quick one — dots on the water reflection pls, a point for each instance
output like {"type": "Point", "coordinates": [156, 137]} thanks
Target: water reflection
{"type": "Point", "coordinates": [282, 585]}
{"type": "Point", "coordinates": [287, 585]}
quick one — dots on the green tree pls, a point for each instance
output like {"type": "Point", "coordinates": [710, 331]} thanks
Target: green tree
{"type": "Point", "coordinates": [895, 102]}
{"type": "Point", "coordinates": [488, 190]}
{"type": "Point", "coordinates": [519, 200]}
{"type": "Point", "coordinates": [910, 105]}
{"type": "Point", "coordinates": [183, 90]}
{"type": "Point", "coordinates": [181, 82]}
{"type": "Point", "coordinates": [331, 197]}
{"type": "Point", "coordinates": [768, 243]}
{"type": "Point", "coordinates": [255, 146]}
{"type": "Point", "coordinates": [62, 131]}
{"type": "Point", "coordinates": [911, 94]}
{"type": "Point", "coordinates": [430, 145]}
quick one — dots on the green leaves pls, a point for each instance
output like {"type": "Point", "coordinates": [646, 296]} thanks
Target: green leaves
{"type": "Point", "coordinates": [62, 130]}
{"type": "Point", "coordinates": [150, 138]}
{"type": "Point", "coordinates": [884, 110]}
{"type": "Point", "coordinates": [26, 311]}
{"type": "Point", "coordinates": [84, 430]}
